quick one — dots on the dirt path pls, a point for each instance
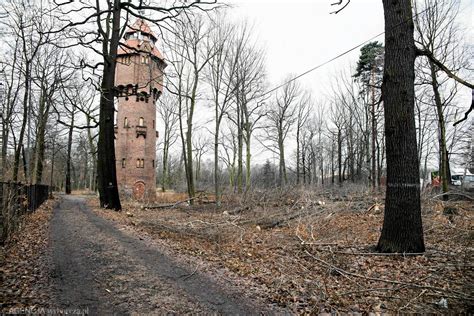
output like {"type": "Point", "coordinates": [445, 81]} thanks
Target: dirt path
{"type": "Point", "coordinates": [99, 267]}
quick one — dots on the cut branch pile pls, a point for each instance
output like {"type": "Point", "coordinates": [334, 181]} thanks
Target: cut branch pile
{"type": "Point", "coordinates": [312, 252]}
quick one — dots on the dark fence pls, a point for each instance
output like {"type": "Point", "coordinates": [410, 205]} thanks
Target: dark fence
{"type": "Point", "coordinates": [17, 199]}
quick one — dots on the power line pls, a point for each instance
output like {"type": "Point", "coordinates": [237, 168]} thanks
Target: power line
{"type": "Point", "coordinates": [342, 54]}
{"type": "Point", "coordinates": [321, 65]}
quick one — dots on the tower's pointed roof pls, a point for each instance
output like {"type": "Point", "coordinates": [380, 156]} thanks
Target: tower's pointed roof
{"type": "Point", "coordinates": [134, 45]}
{"type": "Point", "coordinates": [142, 26]}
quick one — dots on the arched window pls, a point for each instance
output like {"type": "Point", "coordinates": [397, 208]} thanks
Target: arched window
{"type": "Point", "coordinates": [141, 121]}
{"type": "Point", "coordinates": [140, 163]}
{"type": "Point", "coordinates": [123, 162]}
{"type": "Point", "coordinates": [125, 122]}
{"type": "Point", "coordinates": [145, 59]}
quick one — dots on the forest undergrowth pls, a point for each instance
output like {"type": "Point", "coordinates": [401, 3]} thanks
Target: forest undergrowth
{"type": "Point", "coordinates": [312, 251]}
{"type": "Point", "coordinates": [25, 264]}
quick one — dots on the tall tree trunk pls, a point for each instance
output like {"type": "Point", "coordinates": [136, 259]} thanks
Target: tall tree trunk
{"type": "Point", "coordinates": [322, 171]}
{"type": "Point", "coordinates": [182, 135]}
{"type": "Point", "coordinates": [16, 162]}
{"type": "Point", "coordinates": [216, 164]}
{"type": "Point", "coordinates": [402, 229]}
{"type": "Point", "coordinates": [379, 165]}
{"type": "Point", "coordinates": [25, 164]}
{"type": "Point", "coordinates": [69, 154]}
{"type": "Point", "coordinates": [165, 176]}
{"type": "Point", "coordinates": [4, 149]}
{"type": "Point", "coordinates": [93, 180]}
{"type": "Point", "coordinates": [40, 136]}
{"type": "Point", "coordinates": [303, 164]}
{"type": "Point", "coordinates": [298, 155]}
{"type": "Point", "coordinates": [310, 166]}
{"type": "Point", "coordinates": [240, 149]}
{"type": "Point", "coordinates": [283, 180]}
{"type": "Point", "coordinates": [53, 156]}
{"type": "Point", "coordinates": [189, 140]}
{"type": "Point", "coordinates": [351, 158]}
{"type": "Point", "coordinates": [248, 157]}
{"type": "Point", "coordinates": [374, 135]}
{"type": "Point", "coordinates": [443, 152]}
{"type": "Point", "coordinates": [106, 166]}
{"type": "Point", "coordinates": [218, 115]}
{"type": "Point", "coordinates": [339, 156]}
{"type": "Point", "coordinates": [333, 169]}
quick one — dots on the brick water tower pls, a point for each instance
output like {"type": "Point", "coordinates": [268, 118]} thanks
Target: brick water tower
{"type": "Point", "coordinates": [139, 84]}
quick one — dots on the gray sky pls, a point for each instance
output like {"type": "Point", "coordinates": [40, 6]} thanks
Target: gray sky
{"type": "Point", "coordinates": [301, 34]}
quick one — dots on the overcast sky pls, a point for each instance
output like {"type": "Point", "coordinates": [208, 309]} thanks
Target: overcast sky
{"type": "Point", "coordinates": [301, 34]}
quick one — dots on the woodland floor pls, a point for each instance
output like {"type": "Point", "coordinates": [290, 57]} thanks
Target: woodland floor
{"type": "Point", "coordinates": [272, 253]}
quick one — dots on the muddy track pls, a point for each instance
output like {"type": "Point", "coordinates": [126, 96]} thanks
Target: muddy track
{"type": "Point", "coordinates": [100, 268]}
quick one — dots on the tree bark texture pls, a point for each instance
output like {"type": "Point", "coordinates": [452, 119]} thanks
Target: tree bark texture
{"type": "Point", "coordinates": [443, 163]}
{"type": "Point", "coordinates": [69, 154]}
{"type": "Point", "coordinates": [106, 168]}
{"type": "Point", "coordinates": [402, 227]}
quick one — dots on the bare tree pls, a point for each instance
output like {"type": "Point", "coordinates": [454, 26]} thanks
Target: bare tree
{"type": "Point", "coordinates": [303, 111]}
{"type": "Point", "coordinates": [281, 117]}
{"type": "Point", "coordinates": [437, 33]}
{"type": "Point", "coordinates": [107, 20]}
{"type": "Point", "coordinates": [190, 54]}
{"type": "Point", "coordinates": [229, 154]}
{"type": "Point", "coordinates": [200, 146]}
{"type": "Point", "coordinates": [249, 85]}
{"type": "Point", "coordinates": [402, 228]}
{"type": "Point", "coordinates": [26, 22]}
{"type": "Point", "coordinates": [338, 120]}
{"type": "Point", "coordinates": [167, 110]}
{"type": "Point", "coordinates": [221, 72]}
{"type": "Point", "coordinates": [50, 74]}
{"type": "Point", "coordinates": [10, 90]}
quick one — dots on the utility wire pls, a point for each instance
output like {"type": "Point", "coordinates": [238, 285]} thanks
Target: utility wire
{"type": "Point", "coordinates": [321, 65]}
{"type": "Point", "coordinates": [342, 54]}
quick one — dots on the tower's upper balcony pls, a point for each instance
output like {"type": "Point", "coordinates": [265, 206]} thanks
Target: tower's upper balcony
{"type": "Point", "coordinates": [139, 62]}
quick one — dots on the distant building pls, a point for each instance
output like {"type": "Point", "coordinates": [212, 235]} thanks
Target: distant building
{"type": "Point", "coordinates": [139, 84]}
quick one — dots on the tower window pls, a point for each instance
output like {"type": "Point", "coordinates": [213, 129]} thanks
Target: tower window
{"type": "Point", "coordinates": [145, 59]}
{"type": "Point", "coordinates": [123, 162]}
{"type": "Point", "coordinates": [140, 163]}
{"type": "Point", "coordinates": [141, 121]}
{"type": "Point", "coordinates": [126, 60]}
{"type": "Point", "coordinates": [153, 163]}
{"type": "Point", "coordinates": [125, 122]}
{"type": "Point", "coordinates": [153, 123]}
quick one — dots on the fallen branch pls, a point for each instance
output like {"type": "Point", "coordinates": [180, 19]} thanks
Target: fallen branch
{"type": "Point", "coordinates": [376, 206]}
{"type": "Point", "coordinates": [341, 271]}
{"type": "Point", "coordinates": [238, 210]}
{"type": "Point", "coordinates": [151, 207]}
{"type": "Point", "coordinates": [453, 193]}
{"type": "Point", "coordinates": [187, 276]}
{"type": "Point", "coordinates": [412, 300]}
{"type": "Point", "coordinates": [407, 254]}
{"type": "Point", "coordinates": [268, 224]}
{"type": "Point", "coordinates": [371, 290]}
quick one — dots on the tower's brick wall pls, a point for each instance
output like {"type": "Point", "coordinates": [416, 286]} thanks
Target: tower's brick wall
{"type": "Point", "coordinates": [139, 84]}
{"type": "Point", "coordinates": [134, 142]}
